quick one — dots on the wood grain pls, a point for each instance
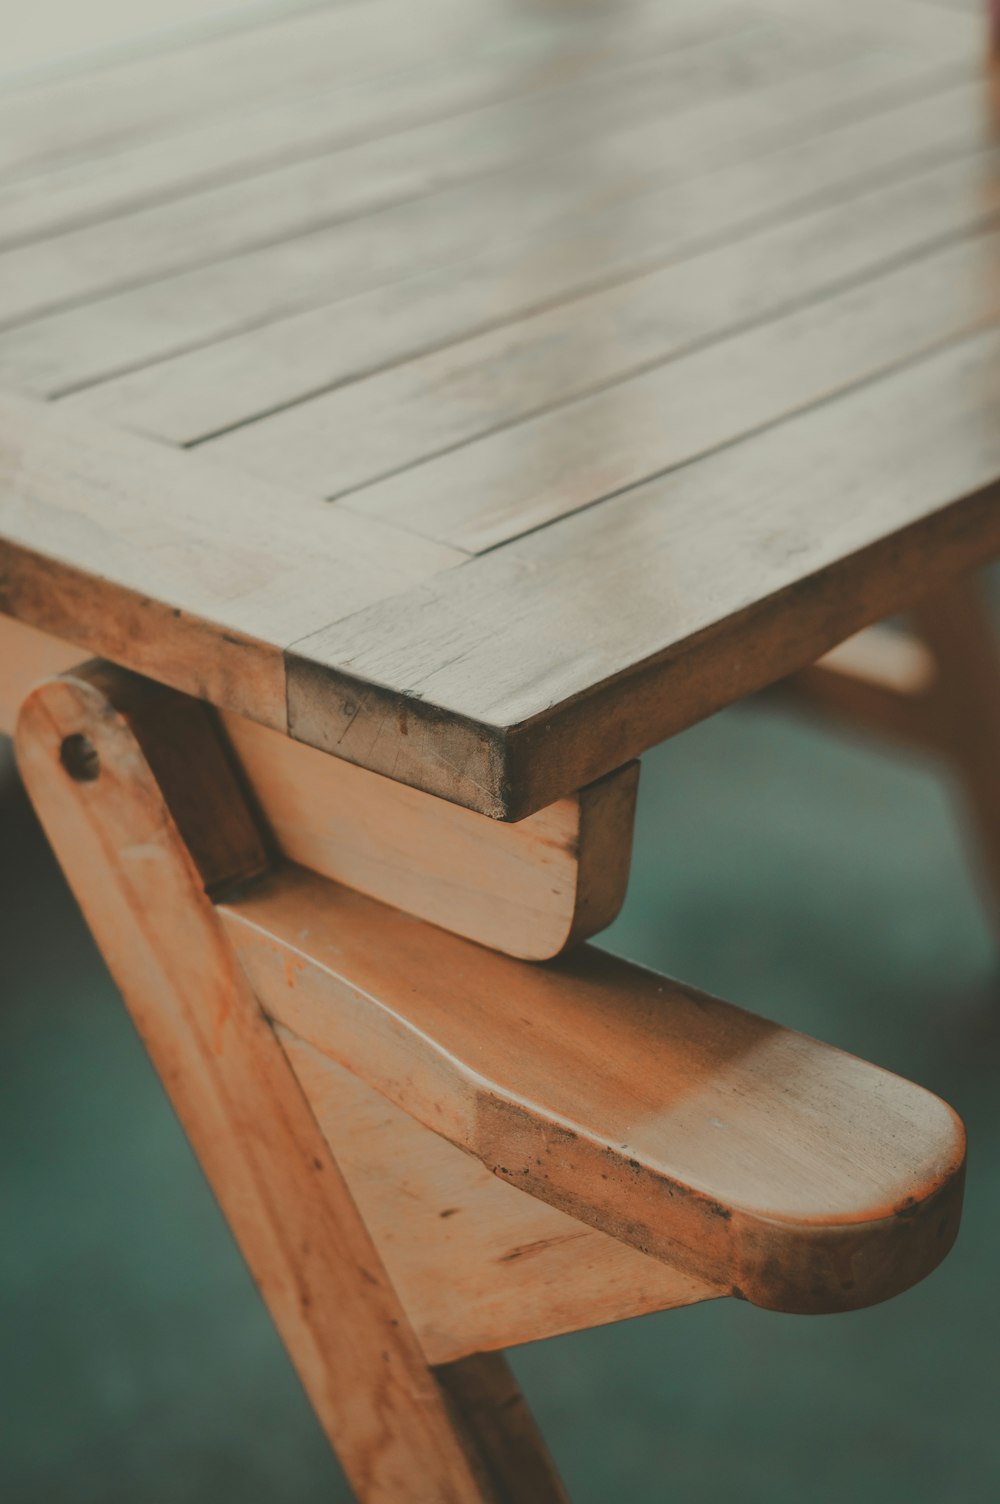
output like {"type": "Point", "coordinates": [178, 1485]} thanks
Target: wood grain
{"type": "Point", "coordinates": [531, 889]}
{"type": "Point", "coordinates": [101, 109]}
{"type": "Point", "coordinates": [645, 197]}
{"type": "Point", "coordinates": [174, 567]}
{"type": "Point", "coordinates": [745, 1155]}
{"type": "Point", "coordinates": [478, 1264]}
{"type": "Point", "coordinates": [540, 55]}
{"type": "Point", "coordinates": [268, 1163]}
{"type": "Point", "coordinates": [528, 363]}
{"type": "Point", "coordinates": [525, 474]}
{"type": "Point", "coordinates": [591, 148]}
{"type": "Point", "coordinates": [743, 409]}
{"type": "Point", "coordinates": [706, 584]}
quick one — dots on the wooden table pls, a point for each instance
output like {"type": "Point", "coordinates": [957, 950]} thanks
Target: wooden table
{"type": "Point", "coordinates": [428, 409]}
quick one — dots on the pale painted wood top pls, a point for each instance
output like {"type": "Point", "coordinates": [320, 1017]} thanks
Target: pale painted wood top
{"type": "Point", "coordinates": [482, 392]}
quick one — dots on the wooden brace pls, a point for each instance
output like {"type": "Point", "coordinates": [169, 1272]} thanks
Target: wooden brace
{"type": "Point", "coordinates": [302, 1029]}
{"type": "Point", "coordinates": [935, 689]}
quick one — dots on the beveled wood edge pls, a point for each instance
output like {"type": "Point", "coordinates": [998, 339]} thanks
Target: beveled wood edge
{"type": "Point", "coordinates": [504, 772]}
{"type": "Point", "coordinates": [510, 771]}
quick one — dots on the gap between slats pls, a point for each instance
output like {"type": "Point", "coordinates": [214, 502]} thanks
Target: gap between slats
{"type": "Point", "coordinates": [67, 353]}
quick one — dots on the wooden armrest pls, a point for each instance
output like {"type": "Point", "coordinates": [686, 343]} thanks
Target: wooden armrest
{"type": "Point", "coordinates": [750, 1156]}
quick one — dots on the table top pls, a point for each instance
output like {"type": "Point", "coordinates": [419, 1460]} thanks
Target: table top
{"type": "Point", "coordinates": [484, 390]}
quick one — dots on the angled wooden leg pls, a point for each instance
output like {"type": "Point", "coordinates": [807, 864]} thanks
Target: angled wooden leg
{"type": "Point", "coordinates": [143, 811]}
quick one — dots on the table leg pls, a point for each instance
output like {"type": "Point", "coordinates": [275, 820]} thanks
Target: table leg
{"type": "Point", "coordinates": [87, 747]}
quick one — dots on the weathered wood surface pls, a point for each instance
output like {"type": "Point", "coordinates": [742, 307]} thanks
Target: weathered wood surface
{"type": "Point", "coordinates": [681, 320]}
{"type": "Point", "coordinates": [327, 107]}
{"type": "Point", "coordinates": [497, 148]}
{"type": "Point", "coordinates": [177, 569]}
{"type": "Point", "coordinates": [595, 337]}
{"type": "Point", "coordinates": [397, 1431]}
{"type": "Point", "coordinates": [401, 262]}
{"type": "Point", "coordinates": [747, 1156]}
{"type": "Point", "coordinates": [635, 618]}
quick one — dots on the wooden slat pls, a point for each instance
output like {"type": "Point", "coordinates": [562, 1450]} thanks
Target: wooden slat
{"type": "Point", "coordinates": [584, 642]}
{"type": "Point", "coordinates": [530, 890]}
{"type": "Point", "coordinates": [611, 64]}
{"type": "Point", "coordinates": [104, 109]}
{"type": "Point", "coordinates": [479, 494]}
{"type": "Point", "coordinates": [478, 1264]}
{"type": "Point", "coordinates": [174, 567]}
{"type": "Point", "coordinates": [522, 219]}
{"type": "Point", "coordinates": [534, 361]}
{"type": "Point", "coordinates": [746, 1155]}
{"type": "Point", "coordinates": [293, 199]}
{"type": "Point", "coordinates": [376, 57]}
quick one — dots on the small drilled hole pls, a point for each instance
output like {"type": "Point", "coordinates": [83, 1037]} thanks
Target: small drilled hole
{"type": "Point", "coordinates": [78, 756]}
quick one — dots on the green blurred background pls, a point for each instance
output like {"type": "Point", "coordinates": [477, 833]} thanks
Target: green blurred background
{"type": "Point", "coordinates": [811, 878]}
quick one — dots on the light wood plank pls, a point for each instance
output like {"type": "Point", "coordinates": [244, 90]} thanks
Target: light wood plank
{"type": "Point", "coordinates": [107, 108]}
{"type": "Point", "coordinates": [502, 144]}
{"type": "Point", "coordinates": [474, 493]}
{"type": "Point", "coordinates": [479, 1265]}
{"type": "Point", "coordinates": [174, 567]}
{"type": "Point", "coordinates": [706, 584]}
{"type": "Point", "coordinates": [611, 60]}
{"type": "Point", "coordinates": [728, 169]}
{"type": "Point", "coordinates": [27, 657]}
{"type": "Point", "coordinates": [530, 890]}
{"type": "Point", "coordinates": [532, 362]}
{"type": "Point", "coordinates": [747, 1156]}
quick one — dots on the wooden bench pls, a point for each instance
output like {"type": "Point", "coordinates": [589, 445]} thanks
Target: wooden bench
{"type": "Point", "coordinates": [431, 417]}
